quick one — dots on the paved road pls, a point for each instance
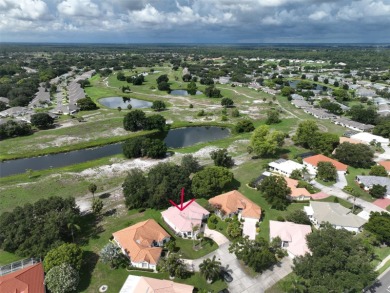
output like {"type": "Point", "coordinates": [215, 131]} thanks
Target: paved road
{"type": "Point", "coordinates": [332, 190]}
{"type": "Point", "coordinates": [383, 283]}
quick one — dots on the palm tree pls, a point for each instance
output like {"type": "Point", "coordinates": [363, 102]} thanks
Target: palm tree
{"type": "Point", "coordinates": [73, 226]}
{"type": "Point", "coordinates": [194, 230]}
{"type": "Point", "coordinates": [210, 269]}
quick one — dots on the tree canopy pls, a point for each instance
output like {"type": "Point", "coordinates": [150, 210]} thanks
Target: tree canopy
{"type": "Point", "coordinates": [164, 182]}
{"type": "Point", "coordinates": [257, 254]}
{"type": "Point", "coordinates": [275, 191]}
{"type": "Point", "coordinates": [326, 171]}
{"type": "Point", "coordinates": [272, 117]}
{"type": "Point", "coordinates": [158, 105]}
{"type": "Point", "coordinates": [86, 104]}
{"type": "Point", "coordinates": [62, 279]}
{"type": "Point", "coordinates": [339, 262]}
{"type": "Point", "coordinates": [264, 142]}
{"type": "Point", "coordinates": [356, 155]}
{"type": "Point", "coordinates": [144, 147]}
{"type": "Point", "coordinates": [68, 253]}
{"type": "Point", "coordinates": [379, 225]}
{"type": "Point", "coordinates": [244, 126]}
{"type": "Point", "coordinates": [364, 115]}
{"type": "Point", "coordinates": [378, 170]}
{"type": "Point", "coordinates": [39, 227]}
{"type": "Point", "coordinates": [221, 158]}
{"type": "Point", "coordinates": [211, 181]}
{"type": "Point", "coordinates": [42, 120]}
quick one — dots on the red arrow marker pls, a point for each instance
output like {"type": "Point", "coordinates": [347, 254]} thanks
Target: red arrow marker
{"type": "Point", "coordinates": [181, 208]}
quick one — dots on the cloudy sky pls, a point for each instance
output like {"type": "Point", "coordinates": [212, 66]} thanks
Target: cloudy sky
{"type": "Point", "coordinates": [195, 21]}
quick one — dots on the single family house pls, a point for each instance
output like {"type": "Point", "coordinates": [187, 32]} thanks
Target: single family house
{"type": "Point", "coordinates": [139, 284]}
{"type": "Point", "coordinates": [284, 167]}
{"type": "Point", "coordinates": [369, 181]}
{"type": "Point", "coordinates": [183, 222]}
{"type": "Point", "coordinates": [312, 162]}
{"type": "Point", "coordinates": [335, 214]}
{"type": "Point", "coordinates": [235, 203]}
{"type": "Point", "coordinates": [142, 243]}
{"type": "Point", "coordinates": [297, 193]}
{"type": "Point", "coordinates": [293, 236]}
{"type": "Point", "coordinates": [27, 279]}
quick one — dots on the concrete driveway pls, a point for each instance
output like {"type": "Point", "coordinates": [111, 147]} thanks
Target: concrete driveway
{"type": "Point", "coordinates": [341, 180]}
{"type": "Point", "coordinates": [242, 283]}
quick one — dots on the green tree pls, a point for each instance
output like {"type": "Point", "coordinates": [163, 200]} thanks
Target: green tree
{"type": "Point", "coordinates": [227, 102]}
{"type": "Point", "coordinates": [212, 92]}
{"type": "Point", "coordinates": [379, 225]}
{"type": "Point", "coordinates": [234, 229]}
{"type": "Point", "coordinates": [158, 105]}
{"type": "Point", "coordinates": [326, 171]}
{"type": "Point", "coordinates": [296, 174]}
{"type": "Point", "coordinates": [135, 189]}
{"type": "Point", "coordinates": [378, 191]}
{"type": "Point", "coordinates": [264, 142]}
{"type": "Point", "coordinates": [356, 155]}
{"type": "Point", "coordinates": [210, 268]}
{"type": "Point", "coordinates": [192, 88]}
{"type": "Point", "coordinates": [92, 189]}
{"type": "Point", "coordinates": [174, 266]}
{"type": "Point", "coordinates": [42, 120]}
{"type": "Point", "coordinates": [378, 170]}
{"type": "Point", "coordinates": [111, 254]}
{"type": "Point", "coordinates": [339, 262]}
{"type": "Point", "coordinates": [211, 181]}
{"type": "Point", "coordinates": [236, 113]}
{"type": "Point", "coordinates": [68, 253]}
{"type": "Point", "coordinates": [86, 104]}
{"type": "Point", "coordinates": [256, 254]}
{"type": "Point", "coordinates": [364, 115]}
{"type": "Point", "coordinates": [39, 227]}
{"type": "Point", "coordinates": [324, 142]}
{"type": "Point", "coordinates": [3, 106]}
{"type": "Point", "coordinates": [383, 127]}
{"type": "Point", "coordinates": [13, 128]}
{"type": "Point", "coordinates": [287, 90]}
{"type": "Point", "coordinates": [164, 86]}
{"type": "Point", "coordinates": [97, 206]}
{"type": "Point", "coordinates": [305, 134]}
{"type": "Point", "coordinates": [134, 120]}
{"type": "Point", "coordinates": [298, 217]}
{"type": "Point", "coordinates": [155, 122]}
{"type": "Point", "coordinates": [142, 146]}
{"type": "Point", "coordinates": [62, 279]}
{"type": "Point", "coordinates": [162, 78]}
{"type": "Point", "coordinates": [275, 191]}
{"type": "Point", "coordinates": [272, 117]}
{"type": "Point", "coordinates": [244, 126]}
{"type": "Point", "coordinates": [221, 158]}
{"type": "Point", "coordinates": [190, 164]}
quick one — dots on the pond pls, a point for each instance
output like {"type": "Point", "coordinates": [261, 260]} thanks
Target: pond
{"type": "Point", "coordinates": [175, 138]}
{"type": "Point", "coordinates": [182, 93]}
{"type": "Point", "coordinates": [123, 102]}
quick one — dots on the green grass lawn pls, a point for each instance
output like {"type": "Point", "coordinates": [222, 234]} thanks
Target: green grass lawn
{"type": "Point", "coordinates": [352, 173]}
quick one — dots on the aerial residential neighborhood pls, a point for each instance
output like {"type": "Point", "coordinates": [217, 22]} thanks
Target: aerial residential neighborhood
{"type": "Point", "coordinates": [194, 146]}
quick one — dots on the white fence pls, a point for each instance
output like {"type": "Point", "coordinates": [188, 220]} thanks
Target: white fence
{"type": "Point", "coordinates": [18, 265]}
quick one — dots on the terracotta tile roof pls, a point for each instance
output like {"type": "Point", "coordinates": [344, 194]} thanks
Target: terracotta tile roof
{"type": "Point", "coordinates": [295, 191]}
{"type": "Point", "coordinates": [385, 164]}
{"type": "Point", "coordinates": [350, 140]}
{"type": "Point", "coordinates": [137, 241]}
{"type": "Point", "coordinates": [27, 280]}
{"type": "Point", "coordinates": [231, 201]}
{"type": "Point", "coordinates": [314, 160]}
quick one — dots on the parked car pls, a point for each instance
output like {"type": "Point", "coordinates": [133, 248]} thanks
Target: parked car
{"type": "Point", "coordinates": [226, 276]}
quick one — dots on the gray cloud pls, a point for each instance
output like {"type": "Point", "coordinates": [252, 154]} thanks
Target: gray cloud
{"type": "Point", "coordinates": [197, 20]}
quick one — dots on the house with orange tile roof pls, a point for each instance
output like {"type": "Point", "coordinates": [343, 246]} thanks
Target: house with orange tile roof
{"type": "Point", "coordinates": [235, 203]}
{"type": "Point", "coordinates": [297, 193]}
{"type": "Point", "coordinates": [136, 284]}
{"type": "Point", "coordinates": [142, 243]}
{"type": "Point", "coordinates": [27, 280]}
{"type": "Point", "coordinates": [312, 162]}
{"type": "Point", "coordinates": [385, 164]}
{"type": "Point", "coordinates": [183, 222]}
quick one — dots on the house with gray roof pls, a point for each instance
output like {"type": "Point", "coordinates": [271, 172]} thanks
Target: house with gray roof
{"type": "Point", "coordinates": [352, 124]}
{"type": "Point", "coordinates": [319, 113]}
{"type": "Point", "coordinates": [369, 181]}
{"type": "Point", "coordinates": [335, 214]}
